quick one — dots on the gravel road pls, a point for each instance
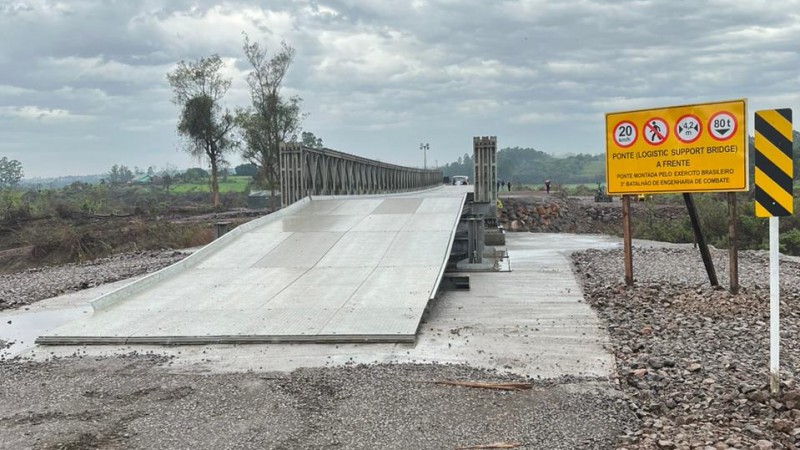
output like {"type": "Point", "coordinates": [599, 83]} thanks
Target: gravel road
{"type": "Point", "coordinates": [128, 402]}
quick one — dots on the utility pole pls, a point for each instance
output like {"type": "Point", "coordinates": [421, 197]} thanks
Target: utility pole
{"type": "Point", "coordinates": [424, 147]}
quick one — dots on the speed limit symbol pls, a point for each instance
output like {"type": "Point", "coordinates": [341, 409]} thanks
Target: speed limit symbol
{"type": "Point", "coordinates": [625, 134]}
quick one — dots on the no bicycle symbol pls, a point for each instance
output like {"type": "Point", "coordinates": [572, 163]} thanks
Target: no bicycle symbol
{"type": "Point", "coordinates": [625, 134]}
{"type": "Point", "coordinates": [655, 131]}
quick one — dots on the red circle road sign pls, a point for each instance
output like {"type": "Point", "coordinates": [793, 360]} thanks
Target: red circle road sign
{"type": "Point", "coordinates": [722, 125]}
{"type": "Point", "coordinates": [655, 131]}
{"type": "Point", "coordinates": [625, 133]}
{"type": "Point", "coordinates": [688, 128]}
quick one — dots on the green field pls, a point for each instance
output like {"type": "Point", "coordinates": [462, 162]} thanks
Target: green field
{"type": "Point", "coordinates": [231, 184]}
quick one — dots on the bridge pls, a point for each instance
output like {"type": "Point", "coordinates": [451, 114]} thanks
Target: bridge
{"type": "Point", "coordinates": [355, 255]}
{"type": "Point", "coordinates": [360, 257]}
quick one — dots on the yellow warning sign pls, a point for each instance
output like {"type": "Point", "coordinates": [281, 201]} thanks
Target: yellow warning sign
{"type": "Point", "coordinates": [691, 148]}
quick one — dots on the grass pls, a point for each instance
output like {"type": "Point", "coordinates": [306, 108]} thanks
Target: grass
{"type": "Point", "coordinates": [232, 184]}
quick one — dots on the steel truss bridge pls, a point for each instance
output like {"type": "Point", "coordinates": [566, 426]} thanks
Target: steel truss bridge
{"type": "Point", "coordinates": [307, 171]}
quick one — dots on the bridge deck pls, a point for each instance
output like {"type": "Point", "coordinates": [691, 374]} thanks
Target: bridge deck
{"type": "Point", "coordinates": [356, 269]}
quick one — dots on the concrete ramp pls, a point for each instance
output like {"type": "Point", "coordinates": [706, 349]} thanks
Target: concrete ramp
{"type": "Point", "coordinates": [355, 269]}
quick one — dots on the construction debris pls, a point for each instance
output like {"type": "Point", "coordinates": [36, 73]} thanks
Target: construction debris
{"type": "Point", "coordinates": [487, 385]}
{"type": "Point", "coordinates": [495, 445]}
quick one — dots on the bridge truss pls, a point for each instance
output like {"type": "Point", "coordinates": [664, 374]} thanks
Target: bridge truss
{"type": "Point", "coordinates": [320, 171]}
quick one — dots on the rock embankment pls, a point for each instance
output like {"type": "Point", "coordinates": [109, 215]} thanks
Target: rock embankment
{"type": "Point", "coordinates": [560, 214]}
{"type": "Point", "coordinates": [693, 359]}
{"type": "Point", "coordinates": [23, 288]}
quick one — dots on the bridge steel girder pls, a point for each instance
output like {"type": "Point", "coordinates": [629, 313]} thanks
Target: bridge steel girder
{"type": "Point", "coordinates": [308, 171]}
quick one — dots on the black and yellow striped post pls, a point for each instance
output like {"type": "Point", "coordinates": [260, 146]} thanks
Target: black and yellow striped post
{"type": "Point", "coordinates": [773, 175]}
{"type": "Point", "coordinates": [774, 199]}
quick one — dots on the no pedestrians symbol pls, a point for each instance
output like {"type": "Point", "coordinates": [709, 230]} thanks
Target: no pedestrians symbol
{"type": "Point", "coordinates": [688, 128]}
{"type": "Point", "coordinates": [655, 131]}
{"type": "Point", "coordinates": [722, 126]}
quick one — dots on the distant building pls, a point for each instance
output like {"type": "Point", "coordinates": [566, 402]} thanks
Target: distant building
{"type": "Point", "coordinates": [143, 179]}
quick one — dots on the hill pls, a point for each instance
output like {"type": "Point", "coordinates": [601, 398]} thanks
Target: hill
{"type": "Point", "coordinates": [531, 166]}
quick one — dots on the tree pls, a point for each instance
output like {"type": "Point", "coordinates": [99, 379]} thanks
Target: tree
{"type": "Point", "coordinates": [167, 175]}
{"type": "Point", "coordinates": [119, 174]}
{"type": "Point", "coordinates": [271, 119]}
{"type": "Point", "coordinates": [199, 87]}
{"type": "Point", "coordinates": [10, 172]}
{"type": "Point", "coordinates": [246, 170]}
{"type": "Point", "coordinates": [195, 175]}
{"type": "Point", "coordinates": [309, 140]}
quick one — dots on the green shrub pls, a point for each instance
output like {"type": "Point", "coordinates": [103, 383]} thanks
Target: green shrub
{"type": "Point", "coordinates": [712, 210]}
{"type": "Point", "coordinates": [790, 242]}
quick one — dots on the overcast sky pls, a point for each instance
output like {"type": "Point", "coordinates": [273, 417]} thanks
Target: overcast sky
{"type": "Point", "coordinates": [83, 83]}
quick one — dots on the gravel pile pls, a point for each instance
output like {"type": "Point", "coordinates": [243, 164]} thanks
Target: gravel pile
{"type": "Point", "coordinates": [23, 288]}
{"type": "Point", "coordinates": [694, 360]}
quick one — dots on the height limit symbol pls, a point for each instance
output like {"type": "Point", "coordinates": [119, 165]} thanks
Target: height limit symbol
{"type": "Point", "coordinates": [688, 128]}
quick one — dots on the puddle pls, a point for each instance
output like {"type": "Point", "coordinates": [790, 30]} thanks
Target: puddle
{"type": "Point", "coordinates": [22, 329]}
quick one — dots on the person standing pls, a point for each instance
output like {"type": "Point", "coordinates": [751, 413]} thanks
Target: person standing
{"type": "Point", "coordinates": [547, 185]}
{"type": "Point", "coordinates": [509, 186]}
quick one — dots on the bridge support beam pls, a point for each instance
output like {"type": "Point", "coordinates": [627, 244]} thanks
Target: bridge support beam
{"type": "Point", "coordinates": [484, 157]}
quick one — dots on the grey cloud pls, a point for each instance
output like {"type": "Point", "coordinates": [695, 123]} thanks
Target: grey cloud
{"type": "Point", "coordinates": [379, 76]}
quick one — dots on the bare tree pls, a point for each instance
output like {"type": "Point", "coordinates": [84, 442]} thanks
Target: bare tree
{"type": "Point", "coordinates": [271, 119]}
{"type": "Point", "coordinates": [199, 87]}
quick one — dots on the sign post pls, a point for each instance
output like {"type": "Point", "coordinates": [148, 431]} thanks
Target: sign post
{"type": "Point", "coordinates": [774, 189]}
{"type": "Point", "coordinates": [678, 149]}
{"type": "Point", "coordinates": [626, 239]}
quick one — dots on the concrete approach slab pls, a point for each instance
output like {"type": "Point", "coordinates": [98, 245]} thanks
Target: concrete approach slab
{"type": "Point", "coordinates": [328, 269]}
{"type": "Point", "coordinates": [531, 321]}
